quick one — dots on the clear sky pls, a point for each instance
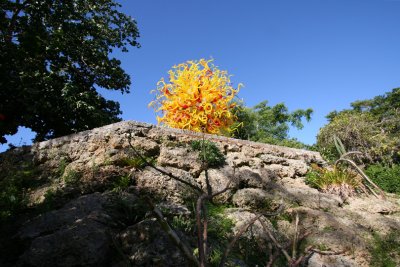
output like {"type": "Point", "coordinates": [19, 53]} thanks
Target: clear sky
{"type": "Point", "coordinates": [322, 54]}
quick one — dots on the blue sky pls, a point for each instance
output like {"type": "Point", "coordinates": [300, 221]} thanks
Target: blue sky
{"type": "Point", "coordinates": [309, 53]}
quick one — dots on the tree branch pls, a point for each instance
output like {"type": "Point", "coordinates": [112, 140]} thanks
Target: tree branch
{"type": "Point", "coordinates": [241, 231]}
{"type": "Point", "coordinates": [171, 233]}
{"type": "Point", "coordinates": [18, 8]}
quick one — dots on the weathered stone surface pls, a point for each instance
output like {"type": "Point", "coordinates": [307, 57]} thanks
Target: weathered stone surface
{"type": "Point", "coordinates": [254, 198]}
{"type": "Point", "coordinates": [85, 244]}
{"type": "Point", "coordinates": [38, 195]}
{"type": "Point", "coordinates": [218, 180]}
{"type": "Point", "coordinates": [145, 244]}
{"type": "Point", "coordinates": [87, 232]}
{"type": "Point", "coordinates": [74, 235]}
{"type": "Point", "coordinates": [380, 206]}
{"type": "Point", "coordinates": [165, 187]}
{"type": "Point", "coordinates": [241, 217]}
{"type": "Point", "coordinates": [255, 178]}
{"type": "Point", "coordinates": [318, 260]}
{"type": "Point", "coordinates": [181, 158]}
{"type": "Point", "coordinates": [146, 146]}
{"type": "Point", "coordinates": [237, 159]}
{"type": "Point", "coordinates": [83, 207]}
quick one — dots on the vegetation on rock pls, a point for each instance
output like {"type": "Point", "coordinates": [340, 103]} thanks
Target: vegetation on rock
{"type": "Point", "coordinates": [208, 152]}
{"type": "Point", "coordinates": [337, 181]}
{"type": "Point", "coordinates": [385, 250]}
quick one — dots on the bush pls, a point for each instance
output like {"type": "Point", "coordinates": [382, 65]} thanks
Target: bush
{"type": "Point", "coordinates": [212, 155]}
{"type": "Point", "coordinates": [358, 132]}
{"type": "Point", "coordinates": [388, 178]}
{"type": "Point", "coordinates": [372, 126]}
{"type": "Point", "coordinates": [337, 181]}
{"type": "Point", "coordinates": [13, 188]}
{"type": "Point", "coordinates": [386, 250]}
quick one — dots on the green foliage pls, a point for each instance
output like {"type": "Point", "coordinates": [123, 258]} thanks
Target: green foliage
{"type": "Point", "coordinates": [183, 223]}
{"type": "Point", "coordinates": [386, 250]}
{"type": "Point", "coordinates": [71, 177]}
{"type": "Point", "coordinates": [52, 199]}
{"type": "Point", "coordinates": [209, 152]}
{"type": "Point", "coordinates": [137, 162]}
{"type": "Point", "coordinates": [324, 179]}
{"type": "Point", "coordinates": [220, 226]}
{"type": "Point", "coordinates": [386, 177]}
{"type": "Point", "coordinates": [270, 124]}
{"type": "Point", "coordinates": [122, 183]}
{"type": "Point", "coordinates": [339, 145]}
{"type": "Point", "coordinates": [371, 127]}
{"type": "Point", "coordinates": [353, 129]}
{"type": "Point", "coordinates": [12, 190]}
{"type": "Point", "coordinates": [53, 56]}
{"type": "Point", "coordinates": [61, 167]}
{"type": "Point", "coordinates": [126, 209]}
{"type": "Point", "coordinates": [215, 256]}
{"type": "Point", "coordinates": [219, 231]}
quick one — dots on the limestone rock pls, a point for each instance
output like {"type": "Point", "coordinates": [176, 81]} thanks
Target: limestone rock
{"type": "Point", "coordinates": [241, 217]}
{"type": "Point", "coordinates": [255, 178]}
{"type": "Point", "coordinates": [255, 198]}
{"type": "Point", "coordinates": [318, 260]}
{"type": "Point", "coordinates": [180, 158]}
{"type": "Point", "coordinates": [145, 244]}
{"type": "Point", "coordinates": [165, 187]}
{"type": "Point", "coordinates": [85, 244]}
{"type": "Point", "coordinates": [96, 222]}
{"type": "Point", "coordinates": [74, 235]}
{"type": "Point", "coordinates": [218, 179]}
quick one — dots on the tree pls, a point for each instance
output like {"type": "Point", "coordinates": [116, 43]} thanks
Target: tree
{"type": "Point", "coordinates": [270, 124]}
{"type": "Point", "coordinates": [53, 55]}
{"type": "Point", "coordinates": [197, 97]}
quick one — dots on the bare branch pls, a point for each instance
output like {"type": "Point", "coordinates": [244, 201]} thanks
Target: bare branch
{"type": "Point", "coordinates": [18, 8]}
{"type": "Point", "coordinates": [171, 233]}
{"type": "Point", "coordinates": [328, 252]}
{"type": "Point", "coordinates": [352, 153]}
{"type": "Point", "coordinates": [200, 226]}
{"type": "Point", "coordinates": [241, 231]}
{"type": "Point", "coordinates": [296, 236]}
{"type": "Point", "coordinates": [276, 243]}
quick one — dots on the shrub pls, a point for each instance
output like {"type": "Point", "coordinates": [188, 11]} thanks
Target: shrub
{"type": "Point", "coordinates": [122, 183]}
{"type": "Point", "coordinates": [212, 155]}
{"type": "Point", "coordinates": [137, 162]}
{"type": "Point", "coordinates": [388, 178]}
{"type": "Point", "coordinates": [386, 250]}
{"type": "Point", "coordinates": [357, 131]}
{"type": "Point", "coordinates": [12, 190]}
{"type": "Point", "coordinates": [337, 181]}
{"type": "Point", "coordinates": [71, 177]}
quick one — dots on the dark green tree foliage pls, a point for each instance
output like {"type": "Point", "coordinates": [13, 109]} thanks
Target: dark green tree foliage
{"type": "Point", "coordinates": [53, 54]}
{"type": "Point", "coordinates": [270, 124]}
{"type": "Point", "coordinates": [372, 126]}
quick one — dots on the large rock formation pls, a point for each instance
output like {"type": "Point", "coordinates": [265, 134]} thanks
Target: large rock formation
{"type": "Point", "coordinates": [84, 201]}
